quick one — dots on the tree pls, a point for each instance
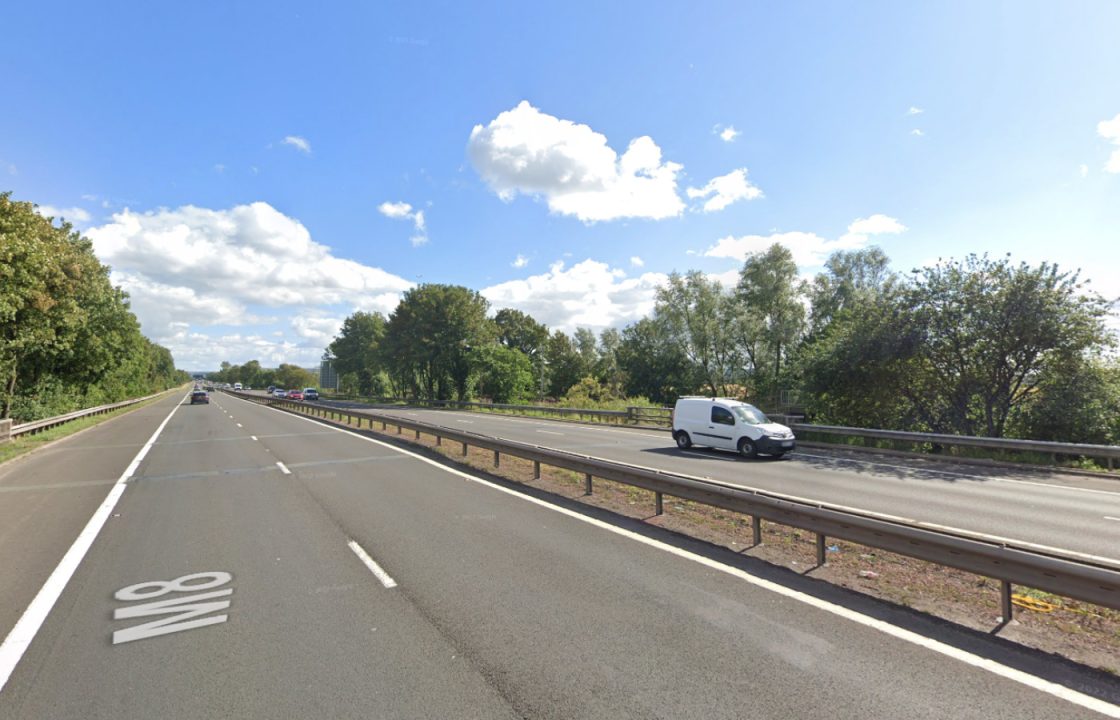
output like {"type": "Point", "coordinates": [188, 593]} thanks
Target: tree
{"type": "Point", "coordinates": [293, 376]}
{"type": "Point", "coordinates": [505, 374]}
{"type": "Point", "coordinates": [520, 331]}
{"type": "Point", "coordinates": [429, 338]}
{"type": "Point", "coordinates": [356, 349]}
{"type": "Point", "coordinates": [693, 313]}
{"type": "Point", "coordinates": [850, 277]}
{"type": "Point", "coordinates": [565, 366]}
{"type": "Point", "coordinates": [653, 366]}
{"type": "Point", "coordinates": [770, 293]}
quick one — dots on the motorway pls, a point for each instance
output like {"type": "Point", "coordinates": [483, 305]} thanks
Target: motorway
{"type": "Point", "coordinates": [1040, 509]}
{"type": "Point", "coordinates": [257, 564]}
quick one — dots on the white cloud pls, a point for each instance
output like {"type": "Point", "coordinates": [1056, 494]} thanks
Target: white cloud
{"type": "Point", "coordinates": [725, 190]}
{"type": "Point", "coordinates": [191, 267]}
{"type": "Point", "coordinates": [917, 133]}
{"type": "Point", "coordinates": [299, 143]}
{"type": "Point", "coordinates": [1083, 169]}
{"type": "Point", "coordinates": [1110, 130]}
{"type": "Point", "coordinates": [573, 168]}
{"type": "Point", "coordinates": [728, 134]}
{"type": "Point", "coordinates": [403, 211]}
{"type": "Point", "coordinates": [72, 214]}
{"type": "Point", "coordinates": [808, 249]}
{"type": "Point", "coordinates": [219, 168]}
{"type": "Point", "coordinates": [395, 210]}
{"type": "Point", "coordinates": [588, 294]}
{"type": "Point", "coordinates": [637, 261]}
{"type": "Point", "coordinates": [520, 261]}
{"type": "Point", "coordinates": [915, 111]}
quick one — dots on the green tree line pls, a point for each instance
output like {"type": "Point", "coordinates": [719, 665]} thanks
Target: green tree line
{"type": "Point", "coordinates": [977, 346]}
{"type": "Point", "coordinates": [251, 374]}
{"type": "Point", "coordinates": [68, 339]}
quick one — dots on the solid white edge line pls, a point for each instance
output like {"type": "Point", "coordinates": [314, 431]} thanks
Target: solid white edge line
{"type": "Point", "coordinates": [283, 468]}
{"type": "Point", "coordinates": [1060, 691]}
{"type": "Point", "coordinates": [370, 563]}
{"type": "Point", "coordinates": [1109, 517]}
{"type": "Point", "coordinates": [20, 637]}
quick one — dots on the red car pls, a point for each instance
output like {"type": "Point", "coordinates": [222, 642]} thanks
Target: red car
{"type": "Point", "coordinates": [295, 394]}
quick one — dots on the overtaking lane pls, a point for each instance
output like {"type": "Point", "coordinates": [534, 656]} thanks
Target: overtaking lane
{"type": "Point", "coordinates": [1023, 506]}
{"type": "Point", "coordinates": [504, 608]}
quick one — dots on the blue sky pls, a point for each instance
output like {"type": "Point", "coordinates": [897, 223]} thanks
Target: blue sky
{"type": "Point", "coordinates": [245, 167]}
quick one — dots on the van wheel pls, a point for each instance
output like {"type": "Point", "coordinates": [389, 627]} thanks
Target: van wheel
{"type": "Point", "coordinates": [684, 442]}
{"type": "Point", "coordinates": [747, 448]}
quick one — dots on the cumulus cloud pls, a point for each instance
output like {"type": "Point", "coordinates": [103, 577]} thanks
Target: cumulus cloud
{"type": "Point", "coordinates": [1110, 130]}
{"type": "Point", "coordinates": [588, 294]}
{"type": "Point", "coordinates": [71, 214]}
{"type": "Point", "coordinates": [915, 110]}
{"type": "Point", "coordinates": [637, 261]}
{"type": "Point", "coordinates": [724, 190]}
{"type": "Point", "coordinates": [520, 261]}
{"type": "Point", "coordinates": [192, 267]}
{"type": "Point", "coordinates": [299, 143]}
{"type": "Point", "coordinates": [808, 249]}
{"type": "Point", "coordinates": [916, 132]}
{"type": "Point", "coordinates": [403, 211]}
{"type": "Point", "coordinates": [573, 168]}
{"type": "Point", "coordinates": [728, 134]}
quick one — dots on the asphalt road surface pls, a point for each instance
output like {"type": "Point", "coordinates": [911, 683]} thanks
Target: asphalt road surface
{"type": "Point", "coordinates": [256, 564]}
{"type": "Point", "coordinates": [1049, 510]}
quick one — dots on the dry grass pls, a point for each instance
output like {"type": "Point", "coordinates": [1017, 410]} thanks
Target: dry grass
{"type": "Point", "coordinates": [1082, 632]}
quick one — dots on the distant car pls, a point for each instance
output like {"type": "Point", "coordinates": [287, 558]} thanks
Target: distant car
{"type": "Point", "coordinates": [296, 394]}
{"type": "Point", "coordinates": [280, 393]}
{"type": "Point", "coordinates": [200, 396]}
{"type": "Point", "coordinates": [271, 389]}
{"type": "Point", "coordinates": [310, 394]}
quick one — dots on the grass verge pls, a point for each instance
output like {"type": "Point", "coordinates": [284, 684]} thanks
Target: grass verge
{"type": "Point", "coordinates": [1082, 632]}
{"type": "Point", "coordinates": [24, 444]}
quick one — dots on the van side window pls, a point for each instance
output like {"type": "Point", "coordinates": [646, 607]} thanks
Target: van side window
{"type": "Point", "coordinates": [722, 416]}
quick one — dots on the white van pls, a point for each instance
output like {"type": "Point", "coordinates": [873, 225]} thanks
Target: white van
{"type": "Point", "coordinates": [729, 425]}
{"type": "Point", "coordinates": [237, 386]}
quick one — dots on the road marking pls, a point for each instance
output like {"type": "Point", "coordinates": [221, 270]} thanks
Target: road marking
{"type": "Point", "coordinates": [20, 637]}
{"type": "Point", "coordinates": [992, 666]}
{"type": "Point", "coordinates": [283, 468]}
{"type": "Point", "coordinates": [997, 538]}
{"type": "Point", "coordinates": [239, 425]}
{"type": "Point", "coordinates": [549, 432]}
{"type": "Point", "coordinates": [253, 436]}
{"type": "Point", "coordinates": [370, 563]}
{"type": "Point", "coordinates": [184, 611]}
{"type": "Point", "coordinates": [468, 422]}
{"type": "Point", "coordinates": [1109, 517]}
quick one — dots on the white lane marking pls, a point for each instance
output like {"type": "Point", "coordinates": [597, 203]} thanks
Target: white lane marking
{"type": "Point", "coordinates": [1109, 517]}
{"type": "Point", "coordinates": [283, 468]}
{"type": "Point", "coordinates": [370, 563]}
{"type": "Point", "coordinates": [468, 422]}
{"type": "Point", "coordinates": [997, 538]}
{"type": "Point", "coordinates": [20, 637]}
{"type": "Point", "coordinates": [239, 425]}
{"type": "Point", "coordinates": [549, 432]}
{"type": "Point", "coordinates": [1009, 673]}
{"type": "Point", "coordinates": [253, 436]}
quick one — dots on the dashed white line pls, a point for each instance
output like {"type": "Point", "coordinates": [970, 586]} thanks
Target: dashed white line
{"type": "Point", "coordinates": [370, 563]}
{"type": "Point", "coordinates": [239, 425]}
{"type": "Point", "coordinates": [1109, 517]}
{"type": "Point", "coordinates": [283, 468]}
{"type": "Point", "coordinates": [549, 432]}
{"type": "Point", "coordinates": [993, 666]}
{"type": "Point", "coordinates": [253, 436]}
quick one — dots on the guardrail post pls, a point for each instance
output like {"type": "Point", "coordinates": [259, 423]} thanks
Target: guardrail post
{"type": "Point", "coordinates": [497, 459]}
{"type": "Point", "coordinates": [821, 540]}
{"type": "Point", "coordinates": [536, 469]}
{"type": "Point", "coordinates": [417, 434]}
{"type": "Point", "coordinates": [383, 426]}
{"type": "Point", "coordinates": [464, 449]}
{"type": "Point", "coordinates": [5, 430]}
{"type": "Point", "coordinates": [400, 429]}
{"type": "Point", "coordinates": [1005, 600]}
{"type": "Point", "coordinates": [756, 529]}
{"type": "Point", "coordinates": [587, 484]}
{"type": "Point", "coordinates": [439, 440]}
{"type": "Point", "coordinates": [658, 504]}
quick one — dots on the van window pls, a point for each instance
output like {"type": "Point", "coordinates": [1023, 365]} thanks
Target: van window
{"type": "Point", "coordinates": [722, 416]}
{"type": "Point", "coordinates": [751, 415]}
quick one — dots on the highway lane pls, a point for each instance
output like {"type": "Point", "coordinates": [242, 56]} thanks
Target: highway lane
{"type": "Point", "coordinates": [1049, 510]}
{"type": "Point", "coordinates": [504, 605]}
